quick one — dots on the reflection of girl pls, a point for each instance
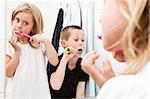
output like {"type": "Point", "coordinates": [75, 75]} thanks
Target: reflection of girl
{"type": "Point", "coordinates": [128, 25]}
{"type": "Point", "coordinates": [26, 66]}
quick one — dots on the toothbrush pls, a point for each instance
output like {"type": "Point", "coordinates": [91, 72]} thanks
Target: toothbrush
{"type": "Point", "coordinates": [33, 44]}
{"type": "Point", "coordinates": [69, 52]}
{"type": "Point", "coordinates": [119, 52]}
{"type": "Point", "coordinates": [25, 35]}
{"type": "Point", "coordinates": [100, 37]}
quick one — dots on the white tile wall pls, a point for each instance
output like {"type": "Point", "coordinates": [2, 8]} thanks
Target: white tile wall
{"type": "Point", "coordinates": [2, 48]}
{"type": "Point", "coordinates": [2, 21]}
{"type": "Point", "coordinates": [2, 68]}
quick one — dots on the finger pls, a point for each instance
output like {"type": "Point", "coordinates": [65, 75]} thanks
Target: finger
{"type": "Point", "coordinates": [94, 56]}
{"type": "Point", "coordinates": [89, 54]}
{"type": "Point", "coordinates": [10, 38]}
{"type": "Point", "coordinates": [107, 68]}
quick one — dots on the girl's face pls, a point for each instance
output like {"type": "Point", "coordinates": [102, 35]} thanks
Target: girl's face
{"type": "Point", "coordinates": [23, 22]}
{"type": "Point", "coordinates": [113, 24]}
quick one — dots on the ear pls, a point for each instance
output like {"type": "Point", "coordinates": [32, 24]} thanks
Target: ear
{"type": "Point", "coordinates": [64, 43]}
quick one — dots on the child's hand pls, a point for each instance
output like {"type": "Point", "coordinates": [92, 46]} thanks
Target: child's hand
{"type": "Point", "coordinates": [37, 38]}
{"type": "Point", "coordinates": [101, 76]}
{"type": "Point", "coordinates": [88, 63]}
{"type": "Point", "coordinates": [69, 52]}
{"type": "Point", "coordinates": [13, 41]}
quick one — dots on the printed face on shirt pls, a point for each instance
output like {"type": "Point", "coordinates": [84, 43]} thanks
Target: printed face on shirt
{"type": "Point", "coordinates": [76, 39]}
{"type": "Point", "coordinates": [23, 22]}
{"type": "Point", "coordinates": [113, 24]}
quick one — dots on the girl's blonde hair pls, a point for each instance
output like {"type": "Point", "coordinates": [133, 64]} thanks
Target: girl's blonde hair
{"type": "Point", "coordinates": [37, 16]}
{"type": "Point", "coordinates": [136, 38]}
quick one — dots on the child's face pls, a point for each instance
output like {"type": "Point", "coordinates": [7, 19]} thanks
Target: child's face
{"type": "Point", "coordinates": [113, 24]}
{"type": "Point", "coordinates": [76, 39]}
{"type": "Point", "coordinates": [23, 22]}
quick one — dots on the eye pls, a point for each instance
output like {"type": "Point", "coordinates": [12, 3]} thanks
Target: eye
{"type": "Point", "coordinates": [17, 20]}
{"type": "Point", "coordinates": [83, 40]}
{"type": "Point", "coordinates": [26, 23]}
{"type": "Point", "coordinates": [76, 39]}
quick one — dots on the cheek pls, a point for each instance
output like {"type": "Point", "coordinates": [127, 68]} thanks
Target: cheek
{"type": "Point", "coordinates": [28, 29]}
{"type": "Point", "coordinates": [113, 25]}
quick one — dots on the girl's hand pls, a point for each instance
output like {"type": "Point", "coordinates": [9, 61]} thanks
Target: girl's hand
{"type": "Point", "coordinates": [88, 63]}
{"type": "Point", "coordinates": [13, 41]}
{"type": "Point", "coordinates": [100, 76]}
{"type": "Point", "coordinates": [69, 52]}
{"type": "Point", "coordinates": [37, 38]}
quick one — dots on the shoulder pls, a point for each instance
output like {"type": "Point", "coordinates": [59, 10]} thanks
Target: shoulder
{"type": "Point", "coordinates": [124, 87]}
{"type": "Point", "coordinates": [51, 68]}
{"type": "Point", "coordinates": [81, 74]}
{"type": "Point", "coordinates": [78, 64]}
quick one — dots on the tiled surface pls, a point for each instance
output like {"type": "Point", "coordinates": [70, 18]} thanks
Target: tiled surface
{"type": "Point", "coordinates": [2, 66]}
{"type": "Point", "coordinates": [1, 95]}
{"type": "Point", "coordinates": [2, 20]}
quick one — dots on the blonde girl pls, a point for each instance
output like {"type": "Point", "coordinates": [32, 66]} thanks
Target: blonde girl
{"type": "Point", "coordinates": [128, 25]}
{"type": "Point", "coordinates": [25, 64]}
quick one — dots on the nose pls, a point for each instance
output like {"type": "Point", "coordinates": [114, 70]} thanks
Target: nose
{"type": "Point", "coordinates": [19, 25]}
{"type": "Point", "coordinates": [81, 43]}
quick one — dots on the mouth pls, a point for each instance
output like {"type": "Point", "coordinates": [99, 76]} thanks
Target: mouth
{"type": "Point", "coordinates": [19, 34]}
{"type": "Point", "coordinates": [80, 51]}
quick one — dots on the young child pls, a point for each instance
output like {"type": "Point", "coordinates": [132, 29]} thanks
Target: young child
{"type": "Point", "coordinates": [128, 25]}
{"type": "Point", "coordinates": [67, 80]}
{"type": "Point", "coordinates": [26, 65]}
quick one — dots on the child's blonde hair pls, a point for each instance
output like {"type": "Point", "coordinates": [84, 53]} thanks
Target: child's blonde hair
{"type": "Point", "coordinates": [66, 31]}
{"type": "Point", "coordinates": [136, 38]}
{"type": "Point", "coordinates": [37, 16]}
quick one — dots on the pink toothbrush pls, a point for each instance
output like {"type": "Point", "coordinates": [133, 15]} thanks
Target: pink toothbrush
{"type": "Point", "coordinates": [33, 44]}
{"type": "Point", "coordinates": [22, 34]}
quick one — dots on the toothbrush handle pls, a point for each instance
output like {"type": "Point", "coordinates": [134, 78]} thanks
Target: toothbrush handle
{"type": "Point", "coordinates": [27, 36]}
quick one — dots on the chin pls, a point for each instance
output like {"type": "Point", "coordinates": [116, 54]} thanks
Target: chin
{"type": "Point", "coordinates": [78, 56]}
{"type": "Point", "coordinates": [107, 48]}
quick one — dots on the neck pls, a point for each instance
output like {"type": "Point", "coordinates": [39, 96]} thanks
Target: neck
{"type": "Point", "coordinates": [72, 63]}
{"type": "Point", "coordinates": [23, 40]}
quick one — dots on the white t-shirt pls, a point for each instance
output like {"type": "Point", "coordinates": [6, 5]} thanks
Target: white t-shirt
{"type": "Point", "coordinates": [128, 86]}
{"type": "Point", "coordinates": [30, 78]}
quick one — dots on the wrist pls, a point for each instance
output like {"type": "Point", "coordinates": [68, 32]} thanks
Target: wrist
{"type": "Point", "coordinates": [64, 59]}
{"type": "Point", "coordinates": [17, 53]}
{"type": "Point", "coordinates": [45, 40]}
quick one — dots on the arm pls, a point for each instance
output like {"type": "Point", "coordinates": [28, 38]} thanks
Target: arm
{"type": "Point", "coordinates": [57, 77]}
{"type": "Point", "coordinates": [50, 50]}
{"type": "Point", "coordinates": [13, 61]}
{"type": "Point", "coordinates": [80, 90]}
{"type": "Point", "coordinates": [12, 64]}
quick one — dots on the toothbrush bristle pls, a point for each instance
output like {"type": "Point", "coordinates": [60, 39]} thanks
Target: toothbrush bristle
{"type": "Point", "coordinates": [79, 50]}
{"type": "Point", "coordinates": [17, 32]}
